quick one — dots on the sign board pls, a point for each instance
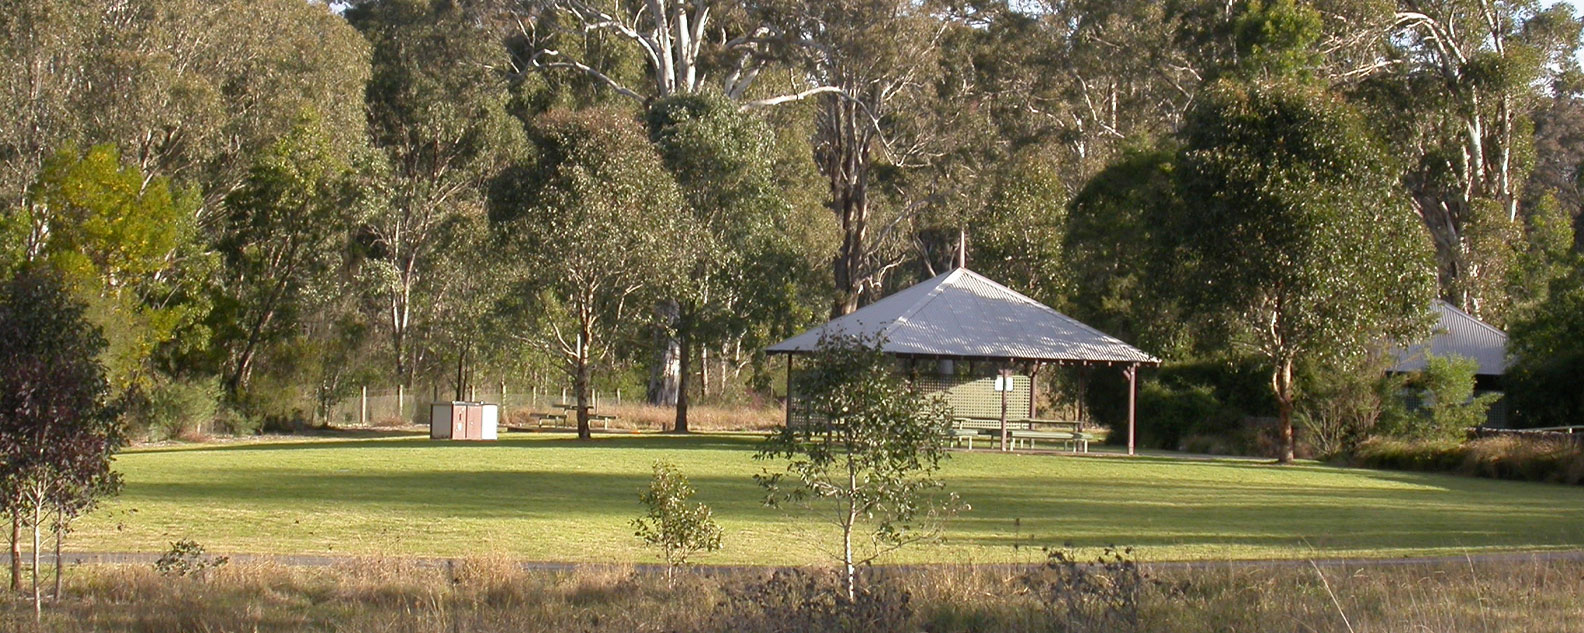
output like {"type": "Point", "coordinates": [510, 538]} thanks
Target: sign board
{"type": "Point", "coordinates": [1004, 383]}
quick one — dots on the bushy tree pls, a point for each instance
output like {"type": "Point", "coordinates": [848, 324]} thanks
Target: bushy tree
{"type": "Point", "coordinates": [123, 241]}
{"type": "Point", "coordinates": [744, 281]}
{"type": "Point", "coordinates": [438, 111]}
{"type": "Point", "coordinates": [865, 447]}
{"type": "Point", "coordinates": [1448, 405]}
{"type": "Point", "coordinates": [673, 523]}
{"type": "Point", "coordinates": [1548, 357]}
{"type": "Point", "coordinates": [1298, 235]}
{"type": "Point", "coordinates": [58, 432]}
{"type": "Point", "coordinates": [593, 224]}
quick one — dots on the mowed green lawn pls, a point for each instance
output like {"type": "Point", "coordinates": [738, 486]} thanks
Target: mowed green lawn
{"type": "Point", "coordinates": [551, 498]}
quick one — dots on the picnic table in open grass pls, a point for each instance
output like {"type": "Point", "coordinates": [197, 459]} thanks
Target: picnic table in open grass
{"type": "Point", "coordinates": [566, 417]}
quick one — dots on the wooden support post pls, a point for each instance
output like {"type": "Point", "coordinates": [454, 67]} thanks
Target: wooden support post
{"type": "Point", "coordinates": [1006, 387]}
{"type": "Point", "coordinates": [363, 411]}
{"type": "Point", "coordinates": [1132, 376]}
{"type": "Point", "coordinates": [789, 391]}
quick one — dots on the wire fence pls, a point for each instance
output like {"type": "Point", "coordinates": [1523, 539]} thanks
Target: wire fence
{"type": "Point", "coordinates": [391, 406]}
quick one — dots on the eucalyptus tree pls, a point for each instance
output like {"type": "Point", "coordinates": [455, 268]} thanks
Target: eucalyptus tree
{"type": "Point", "coordinates": [188, 89]}
{"type": "Point", "coordinates": [1298, 236]}
{"type": "Point", "coordinates": [437, 107]}
{"type": "Point", "coordinates": [283, 238]}
{"type": "Point", "coordinates": [684, 47]}
{"type": "Point", "coordinates": [751, 264]}
{"type": "Point", "coordinates": [1465, 76]}
{"type": "Point", "coordinates": [868, 62]}
{"type": "Point", "coordinates": [597, 231]}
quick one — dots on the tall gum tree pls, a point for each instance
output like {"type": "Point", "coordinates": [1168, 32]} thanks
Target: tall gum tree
{"type": "Point", "coordinates": [1466, 76]}
{"type": "Point", "coordinates": [687, 47]}
{"type": "Point", "coordinates": [437, 104]}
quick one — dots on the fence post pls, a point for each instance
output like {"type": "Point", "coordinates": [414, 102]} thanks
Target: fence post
{"type": "Point", "coordinates": [401, 401]}
{"type": "Point", "coordinates": [363, 411]}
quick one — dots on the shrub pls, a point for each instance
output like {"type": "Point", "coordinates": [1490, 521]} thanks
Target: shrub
{"type": "Point", "coordinates": [677, 526]}
{"type": "Point", "coordinates": [187, 558]}
{"type": "Point", "coordinates": [1343, 404]}
{"type": "Point", "coordinates": [1503, 457]}
{"type": "Point", "coordinates": [1444, 404]}
{"type": "Point", "coordinates": [182, 408]}
{"type": "Point", "coordinates": [1103, 595]}
{"type": "Point", "coordinates": [1193, 404]}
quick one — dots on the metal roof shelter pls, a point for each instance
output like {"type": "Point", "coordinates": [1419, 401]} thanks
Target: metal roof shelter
{"type": "Point", "coordinates": [1457, 333]}
{"type": "Point", "coordinates": [962, 315]}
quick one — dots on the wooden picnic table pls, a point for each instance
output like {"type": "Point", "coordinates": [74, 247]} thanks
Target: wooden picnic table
{"type": "Point", "coordinates": [569, 415]}
{"type": "Point", "coordinates": [1023, 430]}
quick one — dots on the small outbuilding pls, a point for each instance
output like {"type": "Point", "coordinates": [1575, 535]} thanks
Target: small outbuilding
{"type": "Point", "coordinates": [1457, 333]}
{"type": "Point", "coordinates": [963, 317]}
{"type": "Point", "coordinates": [463, 421]}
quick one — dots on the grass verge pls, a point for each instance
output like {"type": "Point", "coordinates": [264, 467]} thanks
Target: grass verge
{"type": "Point", "coordinates": [491, 594]}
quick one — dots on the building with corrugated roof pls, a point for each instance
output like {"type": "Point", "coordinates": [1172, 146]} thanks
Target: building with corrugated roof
{"type": "Point", "coordinates": [962, 316]}
{"type": "Point", "coordinates": [1457, 333]}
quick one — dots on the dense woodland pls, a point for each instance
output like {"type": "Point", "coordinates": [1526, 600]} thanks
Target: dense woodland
{"type": "Point", "coordinates": [267, 204]}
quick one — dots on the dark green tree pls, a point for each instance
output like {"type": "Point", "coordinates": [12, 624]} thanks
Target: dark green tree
{"type": "Point", "coordinates": [597, 230]}
{"type": "Point", "coordinates": [1548, 356]}
{"type": "Point", "coordinates": [58, 432]}
{"type": "Point", "coordinates": [438, 109]}
{"type": "Point", "coordinates": [1298, 236]}
{"type": "Point", "coordinates": [744, 282]}
{"type": "Point", "coordinates": [284, 238]}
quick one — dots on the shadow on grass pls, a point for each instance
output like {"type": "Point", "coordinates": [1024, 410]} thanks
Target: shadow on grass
{"type": "Point", "coordinates": [406, 440]}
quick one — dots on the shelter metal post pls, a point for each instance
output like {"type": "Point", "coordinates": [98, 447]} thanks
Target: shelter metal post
{"type": "Point", "coordinates": [789, 391]}
{"type": "Point", "coordinates": [1132, 377]}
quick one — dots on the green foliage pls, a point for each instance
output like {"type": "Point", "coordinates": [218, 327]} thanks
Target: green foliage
{"type": "Point", "coordinates": [673, 523]}
{"type": "Point", "coordinates": [114, 234]}
{"type": "Point", "coordinates": [182, 408]}
{"type": "Point", "coordinates": [596, 229]}
{"type": "Point", "coordinates": [1192, 404]}
{"type": "Point", "coordinates": [1446, 389]}
{"type": "Point", "coordinates": [864, 444]}
{"type": "Point", "coordinates": [1277, 38]}
{"type": "Point", "coordinates": [284, 237]}
{"type": "Point", "coordinates": [1300, 240]}
{"type": "Point", "coordinates": [58, 430]}
{"type": "Point", "coordinates": [1347, 402]}
{"type": "Point", "coordinates": [187, 558]}
{"type": "Point", "coordinates": [1548, 357]}
{"type": "Point", "coordinates": [1016, 235]}
{"type": "Point", "coordinates": [1119, 247]}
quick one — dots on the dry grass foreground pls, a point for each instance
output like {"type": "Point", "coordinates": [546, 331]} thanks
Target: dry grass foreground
{"type": "Point", "coordinates": [495, 595]}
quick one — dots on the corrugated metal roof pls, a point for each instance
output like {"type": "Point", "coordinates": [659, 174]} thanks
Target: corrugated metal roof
{"type": "Point", "coordinates": [1458, 333]}
{"type": "Point", "coordinates": [961, 314]}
